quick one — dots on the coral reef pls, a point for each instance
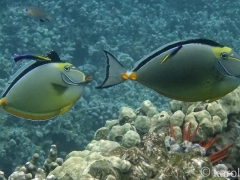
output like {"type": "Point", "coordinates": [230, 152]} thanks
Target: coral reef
{"type": "Point", "coordinates": [2, 176]}
{"type": "Point", "coordinates": [130, 129]}
{"type": "Point", "coordinates": [79, 31]}
{"type": "Point", "coordinates": [211, 117]}
{"type": "Point", "coordinates": [31, 170]}
{"type": "Point", "coordinates": [144, 144]}
{"type": "Point", "coordinates": [150, 160]}
{"type": "Point", "coordinates": [186, 127]}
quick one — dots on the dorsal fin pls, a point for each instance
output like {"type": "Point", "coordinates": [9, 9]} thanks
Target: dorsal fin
{"type": "Point", "coordinates": [53, 56]}
{"type": "Point", "coordinates": [31, 56]}
{"type": "Point", "coordinates": [172, 45]}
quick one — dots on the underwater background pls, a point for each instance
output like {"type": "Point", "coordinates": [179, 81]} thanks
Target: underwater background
{"type": "Point", "coordinates": [78, 32]}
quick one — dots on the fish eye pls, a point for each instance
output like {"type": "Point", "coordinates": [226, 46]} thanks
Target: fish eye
{"type": "Point", "coordinates": [67, 68]}
{"type": "Point", "coordinates": [224, 55]}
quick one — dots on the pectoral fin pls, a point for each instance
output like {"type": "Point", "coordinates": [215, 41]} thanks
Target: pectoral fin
{"type": "Point", "coordinates": [59, 88]}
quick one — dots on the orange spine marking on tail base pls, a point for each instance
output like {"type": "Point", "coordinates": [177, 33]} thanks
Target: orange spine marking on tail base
{"type": "Point", "coordinates": [3, 101]}
{"type": "Point", "coordinates": [133, 76]}
{"type": "Point", "coordinates": [125, 76]}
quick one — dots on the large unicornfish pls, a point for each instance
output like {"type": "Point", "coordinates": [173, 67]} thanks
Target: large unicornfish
{"type": "Point", "coordinates": [190, 70]}
{"type": "Point", "coordinates": [43, 88]}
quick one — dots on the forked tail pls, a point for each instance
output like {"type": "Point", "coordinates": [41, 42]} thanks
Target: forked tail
{"type": "Point", "coordinates": [114, 72]}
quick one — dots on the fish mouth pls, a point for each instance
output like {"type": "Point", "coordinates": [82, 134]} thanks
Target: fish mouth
{"type": "Point", "coordinates": [68, 80]}
{"type": "Point", "coordinates": [223, 70]}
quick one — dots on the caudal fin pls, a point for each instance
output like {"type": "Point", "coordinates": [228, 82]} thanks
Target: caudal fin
{"type": "Point", "coordinates": [114, 71]}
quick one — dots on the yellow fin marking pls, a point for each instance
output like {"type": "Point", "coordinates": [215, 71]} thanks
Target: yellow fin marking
{"type": "Point", "coordinates": [165, 58]}
{"type": "Point", "coordinates": [65, 109]}
{"type": "Point", "coordinates": [43, 58]}
{"type": "Point", "coordinates": [30, 116]}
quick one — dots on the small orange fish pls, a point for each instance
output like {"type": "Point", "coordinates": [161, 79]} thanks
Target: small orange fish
{"type": "Point", "coordinates": [38, 13]}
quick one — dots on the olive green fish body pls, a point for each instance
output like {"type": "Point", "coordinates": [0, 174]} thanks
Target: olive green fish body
{"type": "Point", "coordinates": [44, 91]}
{"type": "Point", "coordinates": [189, 71]}
{"type": "Point", "coordinates": [54, 93]}
{"type": "Point", "coordinates": [192, 70]}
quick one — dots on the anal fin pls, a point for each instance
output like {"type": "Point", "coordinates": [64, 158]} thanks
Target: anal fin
{"type": "Point", "coordinates": [65, 109]}
{"type": "Point", "coordinates": [214, 99]}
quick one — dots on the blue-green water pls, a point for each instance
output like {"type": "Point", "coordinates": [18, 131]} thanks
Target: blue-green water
{"type": "Point", "coordinates": [79, 30]}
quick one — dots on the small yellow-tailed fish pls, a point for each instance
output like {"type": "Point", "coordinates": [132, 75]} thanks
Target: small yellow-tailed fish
{"type": "Point", "coordinates": [190, 70]}
{"type": "Point", "coordinates": [43, 88]}
{"type": "Point", "coordinates": [38, 13]}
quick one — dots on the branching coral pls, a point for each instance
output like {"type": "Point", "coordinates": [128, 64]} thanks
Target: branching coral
{"type": "Point", "coordinates": [31, 171]}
